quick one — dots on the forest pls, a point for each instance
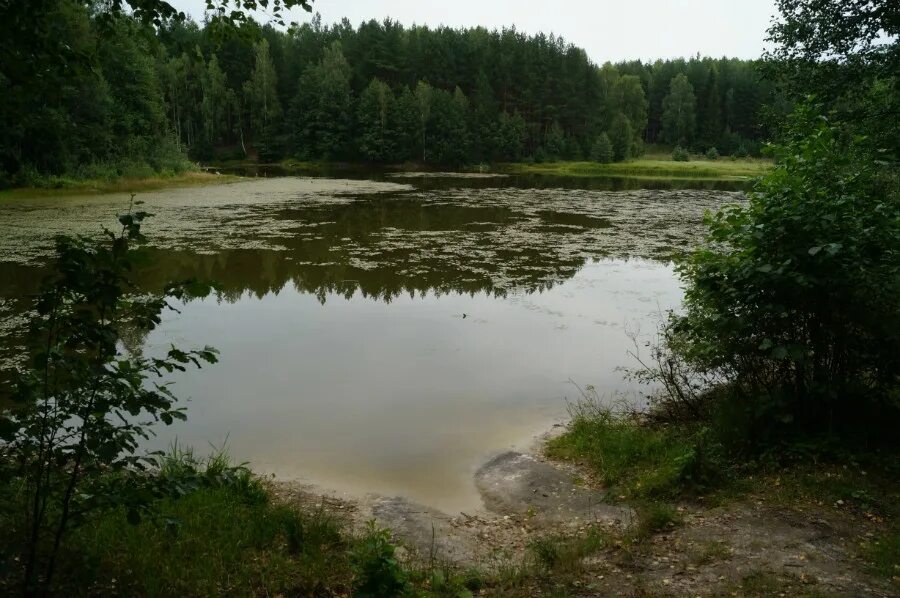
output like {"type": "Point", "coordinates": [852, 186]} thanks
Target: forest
{"type": "Point", "coordinates": [140, 100]}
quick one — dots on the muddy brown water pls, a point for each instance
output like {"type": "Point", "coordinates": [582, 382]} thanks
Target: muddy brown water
{"type": "Point", "coordinates": [387, 335]}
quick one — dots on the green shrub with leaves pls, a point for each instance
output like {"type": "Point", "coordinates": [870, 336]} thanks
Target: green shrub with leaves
{"type": "Point", "coordinates": [795, 298]}
{"type": "Point", "coordinates": [679, 154]}
{"type": "Point", "coordinates": [712, 154]}
{"type": "Point", "coordinates": [70, 440]}
{"type": "Point", "coordinates": [602, 151]}
{"type": "Point", "coordinates": [375, 567]}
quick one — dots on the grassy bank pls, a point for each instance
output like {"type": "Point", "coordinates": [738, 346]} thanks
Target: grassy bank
{"type": "Point", "coordinates": [71, 186]}
{"type": "Point", "coordinates": [653, 167]}
{"type": "Point", "coordinates": [218, 530]}
{"type": "Point", "coordinates": [650, 167]}
{"type": "Point", "coordinates": [658, 467]}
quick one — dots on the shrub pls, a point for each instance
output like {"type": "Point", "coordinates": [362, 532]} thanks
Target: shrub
{"type": "Point", "coordinates": [795, 298]}
{"type": "Point", "coordinates": [82, 407]}
{"type": "Point", "coordinates": [679, 154]}
{"type": "Point", "coordinates": [376, 569]}
{"type": "Point", "coordinates": [602, 151]}
{"type": "Point", "coordinates": [712, 154]}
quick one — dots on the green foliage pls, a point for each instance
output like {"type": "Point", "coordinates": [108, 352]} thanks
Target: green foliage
{"type": "Point", "coordinates": [712, 154]}
{"type": "Point", "coordinates": [679, 154]}
{"type": "Point", "coordinates": [679, 118]}
{"type": "Point", "coordinates": [113, 88]}
{"type": "Point", "coordinates": [794, 300]}
{"type": "Point", "coordinates": [602, 151]}
{"type": "Point", "coordinates": [621, 135]}
{"type": "Point", "coordinates": [80, 409]}
{"type": "Point", "coordinates": [377, 130]}
{"type": "Point", "coordinates": [376, 570]}
{"type": "Point", "coordinates": [655, 517]}
{"type": "Point", "coordinates": [884, 553]}
{"type": "Point", "coordinates": [447, 129]}
{"type": "Point", "coordinates": [846, 55]}
{"type": "Point", "coordinates": [511, 135]}
{"type": "Point", "coordinates": [554, 143]}
{"type": "Point", "coordinates": [637, 460]}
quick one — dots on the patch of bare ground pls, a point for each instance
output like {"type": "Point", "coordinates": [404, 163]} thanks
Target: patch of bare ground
{"type": "Point", "coordinates": [547, 529]}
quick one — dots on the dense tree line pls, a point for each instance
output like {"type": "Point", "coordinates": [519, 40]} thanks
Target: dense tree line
{"type": "Point", "coordinates": [378, 92]}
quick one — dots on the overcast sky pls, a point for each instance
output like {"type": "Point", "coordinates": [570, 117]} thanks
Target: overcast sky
{"type": "Point", "coordinates": [607, 29]}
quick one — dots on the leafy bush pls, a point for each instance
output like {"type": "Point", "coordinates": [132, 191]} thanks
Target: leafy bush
{"type": "Point", "coordinates": [602, 151]}
{"type": "Point", "coordinates": [795, 298]}
{"type": "Point", "coordinates": [679, 154]}
{"type": "Point", "coordinates": [376, 570]}
{"type": "Point", "coordinates": [712, 154]}
{"type": "Point", "coordinates": [70, 437]}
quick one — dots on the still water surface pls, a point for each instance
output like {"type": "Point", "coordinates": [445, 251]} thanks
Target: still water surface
{"type": "Point", "coordinates": [388, 336]}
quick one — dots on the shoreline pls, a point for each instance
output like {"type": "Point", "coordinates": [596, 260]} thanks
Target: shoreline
{"type": "Point", "coordinates": [122, 185]}
{"type": "Point", "coordinates": [546, 515]}
{"type": "Point", "coordinates": [651, 168]}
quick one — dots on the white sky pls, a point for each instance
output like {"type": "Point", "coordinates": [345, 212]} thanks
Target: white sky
{"type": "Point", "coordinates": [607, 29]}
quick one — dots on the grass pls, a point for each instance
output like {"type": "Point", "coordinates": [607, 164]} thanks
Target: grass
{"type": "Point", "coordinates": [650, 464]}
{"type": "Point", "coordinates": [650, 167]}
{"type": "Point", "coordinates": [654, 166]}
{"type": "Point", "coordinates": [59, 186]}
{"type": "Point", "coordinates": [633, 461]}
{"type": "Point", "coordinates": [217, 531]}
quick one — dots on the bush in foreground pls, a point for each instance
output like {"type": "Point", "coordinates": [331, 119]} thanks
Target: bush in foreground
{"type": "Point", "coordinates": [795, 299]}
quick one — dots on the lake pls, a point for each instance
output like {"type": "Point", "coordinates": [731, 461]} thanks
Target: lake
{"type": "Point", "coordinates": [388, 335]}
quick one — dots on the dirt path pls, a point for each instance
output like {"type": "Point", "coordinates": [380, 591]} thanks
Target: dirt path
{"type": "Point", "coordinates": [749, 547]}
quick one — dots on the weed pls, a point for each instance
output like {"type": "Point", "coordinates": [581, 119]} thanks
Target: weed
{"type": "Point", "coordinates": [653, 518]}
